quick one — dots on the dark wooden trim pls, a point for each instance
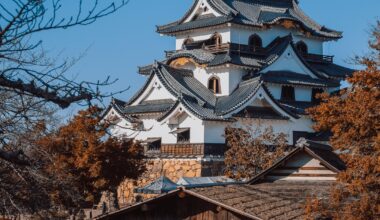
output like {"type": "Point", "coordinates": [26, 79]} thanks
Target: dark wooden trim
{"type": "Point", "coordinates": [189, 149]}
{"type": "Point", "coordinates": [302, 168]}
{"type": "Point", "coordinates": [227, 207]}
{"type": "Point", "coordinates": [303, 175]}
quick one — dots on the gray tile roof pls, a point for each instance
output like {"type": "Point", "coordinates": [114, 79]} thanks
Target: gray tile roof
{"type": "Point", "coordinates": [255, 13]}
{"type": "Point", "coordinates": [239, 97]}
{"type": "Point", "coordinates": [191, 182]}
{"type": "Point", "coordinates": [199, 100]}
{"type": "Point", "coordinates": [280, 200]}
{"type": "Point", "coordinates": [332, 70]}
{"type": "Point", "coordinates": [259, 61]}
{"type": "Point", "coordinates": [119, 107]}
{"type": "Point", "coordinates": [159, 186]}
{"type": "Point", "coordinates": [201, 23]}
{"type": "Point", "coordinates": [260, 112]}
{"type": "Point", "coordinates": [201, 56]}
{"type": "Point", "coordinates": [273, 200]}
{"type": "Point", "coordinates": [149, 107]}
{"type": "Point", "coordinates": [291, 78]}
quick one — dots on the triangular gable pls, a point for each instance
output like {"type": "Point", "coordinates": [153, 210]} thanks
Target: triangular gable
{"type": "Point", "coordinates": [308, 161]}
{"type": "Point", "coordinates": [291, 60]}
{"type": "Point", "coordinates": [172, 115]}
{"type": "Point", "coordinates": [200, 8]}
{"type": "Point", "coordinates": [177, 196]}
{"type": "Point", "coordinates": [152, 90]}
{"type": "Point", "coordinates": [262, 93]}
{"type": "Point", "coordinates": [115, 111]}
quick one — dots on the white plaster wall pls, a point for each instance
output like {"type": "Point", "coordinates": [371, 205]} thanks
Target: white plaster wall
{"type": "Point", "coordinates": [199, 10]}
{"type": "Point", "coordinates": [214, 132]}
{"type": "Point", "coordinates": [241, 36]}
{"type": "Point", "coordinates": [279, 126]}
{"type": "Point", "coordinates": [206, 132]}
{"type": "Point", "coordinates": [303, 94]}
{"type": "Point", "coordinates": [196, 128]}
{"type": "Point", "coordinates": [236, 76]}
{"type": "Point", "coordinates": [275, 90]}
{"type": "Point", "coordinates": [289, 61]}
{"type": "Point", "coordinates": [154, 129]}
{"type": "Point", "coordinates": [154, 91]}
{"type": "Point", "coordinates": [204, 35]}
{"type": "Point", "coordinates": [229, 77]}
{"type": "Point", "coordinates": [158, 93]}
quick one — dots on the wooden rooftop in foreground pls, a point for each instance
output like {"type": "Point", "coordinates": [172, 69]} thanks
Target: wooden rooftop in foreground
{"type": "Point", "coordinates": [259, 198]}
{"type": "Point", "coordinates": [278, 200]}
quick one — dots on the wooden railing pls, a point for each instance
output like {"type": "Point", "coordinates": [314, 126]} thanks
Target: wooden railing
{"type": "Point", "coordinates": [257, 51]}
{"type": "Point", "coordinates": [318, 58]}
{"type": "Point", "coordinates": [187, 149]}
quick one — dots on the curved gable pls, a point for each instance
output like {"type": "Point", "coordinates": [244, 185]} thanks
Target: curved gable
{"type": "Point", "coordinates": [153, 90]}
{"type": "Point", "coordinates": [291, 61]}
{"type": "Point", "coordinates": [199, 9]}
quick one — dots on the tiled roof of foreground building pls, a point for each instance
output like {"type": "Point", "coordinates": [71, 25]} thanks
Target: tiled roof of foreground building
{"type": "Point", "coordinates": [257, 13]}
{"type": "Point", "coordinates": [256, 199]}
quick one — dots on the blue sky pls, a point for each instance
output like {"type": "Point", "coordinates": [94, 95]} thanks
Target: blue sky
{"type": "Point", "coordinates": [117, 44]}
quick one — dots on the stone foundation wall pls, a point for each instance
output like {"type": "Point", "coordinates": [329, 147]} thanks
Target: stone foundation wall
{"type": "Point", "coordinates": [174, 169]}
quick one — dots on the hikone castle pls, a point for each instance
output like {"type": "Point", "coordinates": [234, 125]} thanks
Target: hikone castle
{"type": "Point", "coordinates": [235, 62]}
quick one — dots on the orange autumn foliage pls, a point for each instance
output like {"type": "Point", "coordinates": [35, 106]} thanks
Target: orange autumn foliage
{"type": "Point", "coordinates": [353, 116]}
{"type": "Point", "coordinates": [252, 149]}
{"type": "Point", "coordinates": [90, 161]}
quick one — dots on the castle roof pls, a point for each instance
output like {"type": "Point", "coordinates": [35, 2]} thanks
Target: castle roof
{"type": "Point", "coordinates": [257, 13]}
{"type": "Point", "coordinates": [239, 55]}
{"type": "Point", "coordinates": [197, 99]}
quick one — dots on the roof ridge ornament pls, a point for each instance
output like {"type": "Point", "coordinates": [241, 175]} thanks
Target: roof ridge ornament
{"type": "Point", "coordinates": [302, 142]}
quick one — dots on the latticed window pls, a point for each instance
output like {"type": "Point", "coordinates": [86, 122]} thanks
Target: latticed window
{"type": "Point", "coordinates": [183, 136]}
{"type": "Point", "coordinates": [215, 40]}
{"type": "Point", "coordinates": [214, 85]}
{"type": "Point", "coordinates": [302, 48]}
{"type": "Point", "coordinates": [287, 93]}
{"type": "Point", "coordinates": [255, 42]}
{"type": "Point", "coordinates": [187, 42]}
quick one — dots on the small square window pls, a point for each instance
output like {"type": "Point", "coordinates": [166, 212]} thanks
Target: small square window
{"type": "Point", "coordinates": [184, 136]}
{"type": "Point", "coordinates": [287, 93]}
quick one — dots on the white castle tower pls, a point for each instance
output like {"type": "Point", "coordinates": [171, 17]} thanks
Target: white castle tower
{"type": "Point", "coordinates": [235, 61]}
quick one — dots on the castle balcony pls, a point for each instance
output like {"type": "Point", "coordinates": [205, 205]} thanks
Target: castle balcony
{"type": "Point", "coordinates": [184, 149]}
{"type": "Point", "coordinates": [251, 50]}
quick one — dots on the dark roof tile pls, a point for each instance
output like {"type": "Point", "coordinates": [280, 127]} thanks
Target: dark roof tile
{"type": "Point", "coordinates": [255, 13]}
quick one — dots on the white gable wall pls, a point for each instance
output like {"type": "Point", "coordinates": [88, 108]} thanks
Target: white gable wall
{"type": "Point", "coordinates": [154, 91]}
{"type": "Point", "coordinates": [289, 61]}
{"type": "Point", "coordinates": [302, 167]}
{"type": "Point", "coordinates": [199, 10]}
